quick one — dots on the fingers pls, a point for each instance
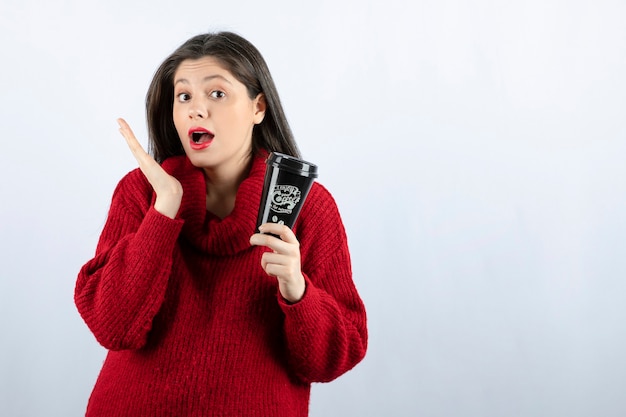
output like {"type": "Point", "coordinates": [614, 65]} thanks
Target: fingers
{"type": "Point", "coordinates": [286, 269]}
{"type": "Point", "coordinates": [135, 147]}
{"type": "Point", "coordinates": [167, 188]}
{"type": "Point", "coordinates": [286, 253]}
{"type": "Point", "coordinates": [285, 233]}
{"type": "Point", "coordinates": [291, 249]}
{"type": "Point", "coordinates": [150, 168]}
{"type": "Point", "coordinates": [284, 262]}
{"type": "Point", "coordinates": [279, 266]}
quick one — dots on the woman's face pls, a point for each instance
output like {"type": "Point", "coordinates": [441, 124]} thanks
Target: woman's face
{"type": "Point", "coordinates": [214, 116]}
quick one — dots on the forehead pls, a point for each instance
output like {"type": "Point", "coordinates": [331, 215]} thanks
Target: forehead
{"type": "Point", "coordinates": [202, 67]}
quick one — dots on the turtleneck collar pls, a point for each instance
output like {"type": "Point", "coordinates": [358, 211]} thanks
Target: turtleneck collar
{"type": "Point", "coordinates": [202, 229]}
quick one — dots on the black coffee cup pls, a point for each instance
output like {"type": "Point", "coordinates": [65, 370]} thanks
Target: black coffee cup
{"type": "Point", "coordinates": [287, 184]}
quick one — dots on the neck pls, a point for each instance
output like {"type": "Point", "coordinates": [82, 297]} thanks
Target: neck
{"type": "Point", "coordinates": [221, 188]}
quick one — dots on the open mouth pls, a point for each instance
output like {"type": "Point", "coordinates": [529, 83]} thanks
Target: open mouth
{"type": "Point", "coordinates": [200, 137]}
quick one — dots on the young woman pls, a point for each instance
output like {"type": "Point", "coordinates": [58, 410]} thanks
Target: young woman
{"type": "Point", "coordinates": [201, 315]}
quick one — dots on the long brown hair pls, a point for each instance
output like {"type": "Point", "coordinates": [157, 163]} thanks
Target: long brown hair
{"type": "Point", "coordinates": [245, 63]}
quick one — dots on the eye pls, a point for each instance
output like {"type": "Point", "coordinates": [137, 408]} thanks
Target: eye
{"type": "Point", "coordinates": [217, 94]}
{"type": "Point", "coordinates": [183, 97]}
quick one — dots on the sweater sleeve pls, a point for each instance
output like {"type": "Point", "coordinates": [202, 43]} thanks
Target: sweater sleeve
{"type": "Point", "coordinates": [119, 291]}
{"type": "Point", "coordinates": [326, 331]}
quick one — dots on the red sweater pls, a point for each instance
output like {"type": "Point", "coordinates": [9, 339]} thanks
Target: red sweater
{"type": "Point", "coordinates": [194, 326]}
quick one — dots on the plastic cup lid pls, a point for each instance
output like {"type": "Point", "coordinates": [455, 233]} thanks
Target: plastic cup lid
{"type": "Point", "coordinates": [292, 164]}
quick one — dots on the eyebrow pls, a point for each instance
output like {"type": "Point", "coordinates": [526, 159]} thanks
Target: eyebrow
{"type": "Point", "coordinates": [205, 79]}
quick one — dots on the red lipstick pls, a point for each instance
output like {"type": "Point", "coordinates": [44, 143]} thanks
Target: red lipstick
{"type": "Point", "coordinates": [200, 138]}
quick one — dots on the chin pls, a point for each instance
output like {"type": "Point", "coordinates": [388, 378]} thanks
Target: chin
{"type": "Point", "coordinates": [199, 162]}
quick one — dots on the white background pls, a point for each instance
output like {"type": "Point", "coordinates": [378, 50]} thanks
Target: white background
{"type": "Point", "coordinates": [475, 148]}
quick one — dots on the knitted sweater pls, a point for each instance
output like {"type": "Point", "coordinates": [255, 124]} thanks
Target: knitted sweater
{"type": "Point", "coordinates": [194, 326]}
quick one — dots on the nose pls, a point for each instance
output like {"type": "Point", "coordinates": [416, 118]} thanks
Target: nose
{"type": "Point", "coordinates": [198, 111]}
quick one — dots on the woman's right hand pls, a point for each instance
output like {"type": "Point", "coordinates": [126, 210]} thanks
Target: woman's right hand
{"type": "Point", "coordinates": [169, 192]}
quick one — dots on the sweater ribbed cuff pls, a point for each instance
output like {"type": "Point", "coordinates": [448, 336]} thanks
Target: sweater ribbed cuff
{"type": "Point", "coordinates": [159, 231]}
{"type": "Point", "coordinates": [307, 304]}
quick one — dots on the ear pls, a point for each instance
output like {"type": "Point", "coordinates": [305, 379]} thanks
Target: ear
{"type": "Point", "coordinates": [259, 108]}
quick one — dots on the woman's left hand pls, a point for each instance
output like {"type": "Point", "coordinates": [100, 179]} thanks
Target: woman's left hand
{"type": "Point", "coordinates": [284, 262]}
